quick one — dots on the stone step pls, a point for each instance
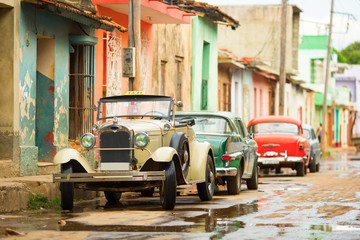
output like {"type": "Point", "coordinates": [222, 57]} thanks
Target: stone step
{"type": "Point", "coordinates": [46, 168]}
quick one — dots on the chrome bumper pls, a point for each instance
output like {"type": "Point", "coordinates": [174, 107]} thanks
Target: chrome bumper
{"type": "Point", "coordinates": [278, 160]}
{"type": "Point", "coordinates": [110, 176]}
{"type": "Point", "coordinates": [229, 171]}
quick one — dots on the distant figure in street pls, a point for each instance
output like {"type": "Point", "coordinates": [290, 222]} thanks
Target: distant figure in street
{"type": "Point", "coordinates": [318, 132]}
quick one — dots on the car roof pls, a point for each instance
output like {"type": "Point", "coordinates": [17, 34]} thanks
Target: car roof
{"type": "Point", "coordinates": [274, 118]}
{"type": "Point", "coordinates": [307, 126]}
{"type": "Point", "coordinates": [226, 114]}
{"type": "Point", "coordinates": [134, 98]}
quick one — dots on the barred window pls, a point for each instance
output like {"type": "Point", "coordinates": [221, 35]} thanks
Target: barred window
{"type": "Point", "coordinates": [81, 95]}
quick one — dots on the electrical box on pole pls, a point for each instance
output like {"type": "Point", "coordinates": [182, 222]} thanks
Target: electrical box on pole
{"type": "Point", "coordinates": [128, 62]}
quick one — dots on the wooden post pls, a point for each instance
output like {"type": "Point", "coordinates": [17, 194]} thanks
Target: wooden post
{"type": "Point", "coordinates": [282, 59]}
{"type": "Point", "coordinates": [324, 131]}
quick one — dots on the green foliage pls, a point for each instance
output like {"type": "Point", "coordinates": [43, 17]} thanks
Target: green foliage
{"type": "Point", "coordinates": [39, 201]}
{"type": "Point", "coordinates": [341, 57]}
{"type": "Point", "coordinates": [351, 54]}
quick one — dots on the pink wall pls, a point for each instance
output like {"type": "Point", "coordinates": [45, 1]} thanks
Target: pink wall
{"type": "Point", "coordinates": [100, 77]}
{"type": "Point", "coordinates": [261, 94]}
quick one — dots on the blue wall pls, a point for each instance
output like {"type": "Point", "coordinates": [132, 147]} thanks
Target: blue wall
{"type": "Point", "coordinates": [36, 22]}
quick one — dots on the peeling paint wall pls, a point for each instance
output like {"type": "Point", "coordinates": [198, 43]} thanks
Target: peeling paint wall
{"type": "Point", "coordinates": [204, 32]}
{"type": "Point", "coordinates": [38, 23]}
{"type": "Point", "coordinates": [172, 44]}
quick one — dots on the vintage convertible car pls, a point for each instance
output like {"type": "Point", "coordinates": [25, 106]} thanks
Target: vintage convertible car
{"type": "Point", "coordinates": [281, 143]}
{"type": "Point", "coordinates": [139, 147]}
{"type": "Point", "coordinates": [315, 155]}
{"type": "Point", "coordinates": [234, 151]}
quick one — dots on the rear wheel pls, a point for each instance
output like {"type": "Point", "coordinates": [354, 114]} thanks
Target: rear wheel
{"type": "Point", "coordinates": [206, 189]}
{"type": "Point", "coordinates": [253, 182]}
{"type": "Point", "coordinates": [234, 183]}
{"type": "Point", "coordinates": [67, 189]}
{"type": "Point", "coordinates": [112, 197]}
{"type": "Point", "coordinates": [318, 167]}
{"type": "Point", "coordinates": [168, 188]}
{"type": "Point", "coordinates": [300, 169]}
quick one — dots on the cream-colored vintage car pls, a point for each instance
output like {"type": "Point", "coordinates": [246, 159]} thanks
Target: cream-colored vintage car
{"type": "Point", "coordinates": [139, 146]}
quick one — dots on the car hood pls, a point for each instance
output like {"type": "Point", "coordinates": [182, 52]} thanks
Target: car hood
{"type": "Point", "coordinates": [140, 125]}
{"type": "Point", "coordinates": [278, 143]}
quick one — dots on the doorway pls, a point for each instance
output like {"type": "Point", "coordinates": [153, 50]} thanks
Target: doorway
{"type": "Point", "coordinates": [45, 75]}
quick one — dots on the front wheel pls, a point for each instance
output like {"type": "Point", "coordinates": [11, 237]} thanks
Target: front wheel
{"type": "Point", "coordinates": [313, 165]}
{"type": "Point", "coordinates": [253, 182]}
{"type": "Point", "coordinates": [67, 189]}
{"type": "Point", "coordinates": [168, 188]}
{"type": "Point", "coordinates": [206, 189]}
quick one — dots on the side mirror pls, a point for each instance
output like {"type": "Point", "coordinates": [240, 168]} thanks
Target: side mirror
{"type": "Point", "coordinates": [190, 122]}
{"type": "Point", "coordinates": [251, 136]}
{"type": "Point", "coordinates": [179, 104]}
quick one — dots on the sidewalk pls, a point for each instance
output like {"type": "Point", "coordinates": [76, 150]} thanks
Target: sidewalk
{"type": "Point", "coordinates": [16, 192]}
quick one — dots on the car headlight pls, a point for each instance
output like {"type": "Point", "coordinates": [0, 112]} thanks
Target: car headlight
{"type": "Point", "coordinates": [141, 140]}
{"type": "Point", "coordinates": [87, 140]}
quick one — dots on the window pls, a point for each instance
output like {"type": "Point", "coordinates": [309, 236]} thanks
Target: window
{"type": "Point", "coordinates": [227, 97]}
{"type": "Point", "coordinates": [204, 94]}
{"type": "Point", "coordinates": [241, 128]}
{"type": "Point", "coordinates": [178, 78]}
{"type": "Point", "coordinates": [163, 78]}
{"type": "Point", "coordinates": [81, 96]}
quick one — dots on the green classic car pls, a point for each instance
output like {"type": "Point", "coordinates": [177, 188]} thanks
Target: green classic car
{"type": "Point", "coordinates": [234, 150]}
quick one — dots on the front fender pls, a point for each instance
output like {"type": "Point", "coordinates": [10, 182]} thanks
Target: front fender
{"type": "Point", "coordinates": [199, 152]}
{"type": "Point", "coordinates": [163, 154]}
{"type": "Point", "coordinates": [67, 154]}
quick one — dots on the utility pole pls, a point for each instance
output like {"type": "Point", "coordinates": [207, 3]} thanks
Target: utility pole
{"type": "Point", "coordinates": [327, 75]}
{"type": "Point", "coordinates": [134, 40]}
{"type": "Point", "coordinates": [282, 59]}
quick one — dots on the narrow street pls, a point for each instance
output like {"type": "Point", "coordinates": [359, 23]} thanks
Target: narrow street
{"type": "Point", "coordinates": [323, 205]}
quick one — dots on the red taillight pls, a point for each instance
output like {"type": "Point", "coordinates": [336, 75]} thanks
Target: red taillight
{"type": "Point", "coordinates": [226, 157]}
{"type": "Point", "coordinates": [301, 146]}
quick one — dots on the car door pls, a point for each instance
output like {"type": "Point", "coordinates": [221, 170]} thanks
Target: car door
{"type": "Point", "coordinates": [248, 148]}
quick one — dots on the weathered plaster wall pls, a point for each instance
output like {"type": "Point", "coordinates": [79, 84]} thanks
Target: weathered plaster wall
{"type": "Point", "coordinates": [35, 22]}
{"type": "Point", "coordinates": [259, 34]}
{"type": "Point", "coordinates": [204, 31]}
{"type": "Point", "coordinates": [247, 86]}
{"type": "Point", "coordinates": [6, 80]}
{"type": "Point", "coordinates": [224, 77]}
{"type": "Point", "coordinates": [261, 95]}
{"type": "Point", "coordinates": [172, 42]}
{"type": "Point", "coordinates": [9, 94]}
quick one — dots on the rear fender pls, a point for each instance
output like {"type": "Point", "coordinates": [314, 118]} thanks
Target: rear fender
{"type": "Point", "coordinates": [68, 154]}
{"type": "Point", "coordinates": [199, 152]}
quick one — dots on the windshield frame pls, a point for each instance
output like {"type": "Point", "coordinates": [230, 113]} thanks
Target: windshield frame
{"type": "Point", "coordinates": [136, 98]}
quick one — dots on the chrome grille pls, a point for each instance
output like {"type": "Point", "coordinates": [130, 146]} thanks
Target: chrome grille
{"type": "Point", "coordinates": [118, 139]}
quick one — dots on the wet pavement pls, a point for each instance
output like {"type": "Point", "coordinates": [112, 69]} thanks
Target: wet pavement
{"type": "Point", "coordinates": [323, 205]}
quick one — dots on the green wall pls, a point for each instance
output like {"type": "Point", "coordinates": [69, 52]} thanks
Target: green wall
{"type": "Point", "coordinates": [204, 76]}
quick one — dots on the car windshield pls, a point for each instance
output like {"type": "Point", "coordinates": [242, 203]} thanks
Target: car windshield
{"type": "Point", "coordinates": [209, 124]}
{"type": "Point", "coordinates": [142, 107]}
{"type": "Point", "coordinates": [307, 133]}
{"type": "Point", "coordinates": [274, 127]}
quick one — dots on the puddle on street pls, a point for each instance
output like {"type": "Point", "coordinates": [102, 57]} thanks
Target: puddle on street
{"type": "Point", "coordinates": [188, 220]}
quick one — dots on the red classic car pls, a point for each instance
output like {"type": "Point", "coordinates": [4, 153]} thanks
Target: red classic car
{"type": "Point", "coordinates": [281, 143]}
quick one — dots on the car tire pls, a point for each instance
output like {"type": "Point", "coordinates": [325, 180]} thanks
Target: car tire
{"type": "Point", "coordinates": [300, 169]}
{"type": "Point", "coordinates": [67, 189]}
{"type": "Point", "coordinates": [180, 142]}
{"type": "Point", "coordinates": [206, 189]}
{"type": "Point", "coordinates": [318, 167]}
{"type": "Point", "coordinates": [112, 197]}
{"type": "Point", "coordinates": [313, 165]}
{"type": "Point", "coordinates": [233, 183]}
{"type": "Point", "coordinates": [148, 192]}
{"type": "Point", "coordinates": [253, 182]}
{"type": "Point", "coordinates": [168, 188]}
